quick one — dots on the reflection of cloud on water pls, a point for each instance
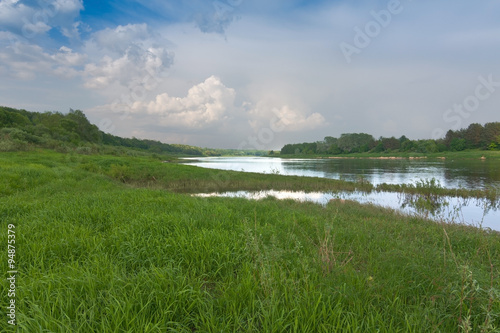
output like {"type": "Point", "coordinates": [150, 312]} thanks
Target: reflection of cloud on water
{"type": "Point", "coordinates": [465, 174]}
{"type": "Point", "coordinates": [471, 211]}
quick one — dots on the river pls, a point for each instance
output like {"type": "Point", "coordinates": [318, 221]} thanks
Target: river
{"type": "Point", "coordinates": [470, 174]}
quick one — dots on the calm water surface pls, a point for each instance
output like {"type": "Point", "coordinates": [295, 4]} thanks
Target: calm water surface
{"type": "Point", "coordinates": [450, 174]}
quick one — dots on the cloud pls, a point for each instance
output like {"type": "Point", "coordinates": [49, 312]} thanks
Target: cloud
{"type": "Point", "coordinates": [208, 16]}
{"type": "Point", "coordinates": [123, 56]}
{"type": "Point", "coordinates": [215, 16]}
{"type": "Point", "coordinates": [206, 104]}
{"type": "Point", "coordinates": [285, 118]}
{"type": "Point", "coordinates": [127, 55]}
{"type": "Point", "coordinates": [26, 61]}
{"type": "Point", "coordinates": [119, 39]}
{"type": "Point", "coordinates": [121, 61]}
{"type": "Point", "coordinates": [129, 69]}
{"type": "Point", "coordinates": [35, 20]}
{"type": "Point", "coordinates": [281, 55]}
{"type": "Point", "coordinates": [12, 14]}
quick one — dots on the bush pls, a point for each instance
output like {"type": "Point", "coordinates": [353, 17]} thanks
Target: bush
{"type": "Point", "coordinates": [83, 150]}
{"type": "Point", "coordinates": [13, 145]}
{"type": "Point", "coordinates": [121, 172]}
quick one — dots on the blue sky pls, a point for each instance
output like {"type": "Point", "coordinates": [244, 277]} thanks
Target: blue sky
{"type": "Point", "coordinates": [255, 74]}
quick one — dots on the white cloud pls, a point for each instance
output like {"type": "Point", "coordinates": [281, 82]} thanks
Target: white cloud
{"type": "Point", "coordinates": [66, 56]}
{"type": "Point", "coordinates": [285, 118]}
{"type": "Point", "coordinates": [284, 56]}
{"type": "Point", "coordinates": [126, 56]}
{"type": "Point", "coordinates": [119, 39]}
{"type": "Point", "coordinates": [26, 61]}
{"type": "Point", "coordinates": [68, 6]}
{"type": "Point", "coordinates": [204, 105]}
{"type": "Point", "coordinates": [35, 20]}
{"type": "Point", "coordinates": [12, 13]}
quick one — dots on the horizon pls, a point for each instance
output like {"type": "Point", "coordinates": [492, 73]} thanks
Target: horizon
{"type": "Point", "coordinates": [235, 74]}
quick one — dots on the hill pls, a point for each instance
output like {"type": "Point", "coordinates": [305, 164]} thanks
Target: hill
{"type": "Point", "coordinates": [25, 130]}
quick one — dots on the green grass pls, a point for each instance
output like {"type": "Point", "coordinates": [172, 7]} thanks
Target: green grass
{"type": "Point", "coordinates": [148, 172]}
{"type": "Point", "coordinates": [97, 253]}
{"type": "Point", "coordinates": [432, 190]}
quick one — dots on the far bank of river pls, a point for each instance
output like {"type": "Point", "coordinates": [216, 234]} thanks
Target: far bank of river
{"type": "Point", "coordinates": [457, 155]}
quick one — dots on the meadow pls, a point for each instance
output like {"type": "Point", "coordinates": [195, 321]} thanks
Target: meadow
{"type": "Point", "coordinates": [117, 244]}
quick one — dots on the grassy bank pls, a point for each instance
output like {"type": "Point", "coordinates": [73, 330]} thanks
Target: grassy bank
{"type": "Point", "coordinates": [96, 253]}
{"type": "Point", "coordinates": [154, 173]}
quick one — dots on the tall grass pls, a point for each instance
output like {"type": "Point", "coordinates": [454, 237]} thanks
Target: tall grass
{"type": "Point", "coordinates": [97, 255]}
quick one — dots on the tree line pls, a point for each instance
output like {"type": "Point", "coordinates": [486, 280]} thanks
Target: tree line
{"type": "Point", "coordinates": [21, 129]}
{"type": "Point", "coordinates": [476, 136]}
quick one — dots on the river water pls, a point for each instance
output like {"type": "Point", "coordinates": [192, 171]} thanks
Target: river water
{"type": "Point", "coordinates": [470, 174]}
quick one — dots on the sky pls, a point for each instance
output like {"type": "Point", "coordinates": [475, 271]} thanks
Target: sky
{"type": "Point", "coordinates": [255, 74]}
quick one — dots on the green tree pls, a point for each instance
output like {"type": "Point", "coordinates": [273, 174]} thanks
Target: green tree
{"type": "Point", "coordinates": [352, 142]}
{"type": "Point", "coordinates": [391, 143]}
{"type": "Point", "coordinates": [12, 118]}
{"type": "Point", "coordinates": [473, 136]}
{"type": "Point", "coordinates": [379, 147]}
{"type": "Point", "coordinates": [490, 133]}
{"type": "Point", "coordinates": [458, 144]}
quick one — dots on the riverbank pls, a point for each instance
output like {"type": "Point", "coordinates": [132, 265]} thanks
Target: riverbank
{"type": "Point", "coordinates": [460, 155]}
{"type": "Point", "coordinates": [103, 243]}
{"type": "Point", "coordinates": [156, 173]}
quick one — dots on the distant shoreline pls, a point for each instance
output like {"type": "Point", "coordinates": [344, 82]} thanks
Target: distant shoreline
{"type": "Point", "coordinates": [467, 155]}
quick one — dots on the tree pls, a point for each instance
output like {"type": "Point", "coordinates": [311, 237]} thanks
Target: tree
{"type": "Point", "coordinates": [473, 136]}
{"type": "Point", "coordinates": [403, 139]}
{"type": "Point", "coordinates": [458, 144]}
{"type": "Point", "coordinates": [11, 118]}
{"type": "Point", "coordinates": [352, 142]}
{"type": "Point", "coordinates": [491, 132]}
{"type": "Point", "coordinates": [391, 143]}
{"type": "Point", "coordinates": [379, 147]}
{"type": "Point", "coordinates": [450, 135]}
{"type": "Point", "coordinates": [334, 149]}
{"type": "Point", "coordinates": [408, 145]}
{"type": "Point", "coordinates": [86, 130]}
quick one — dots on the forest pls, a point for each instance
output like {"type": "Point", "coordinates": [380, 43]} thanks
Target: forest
{"type": "Point", "coordinates": [476, 136]}
{"type": "Point", "coordinates": [23, 130]}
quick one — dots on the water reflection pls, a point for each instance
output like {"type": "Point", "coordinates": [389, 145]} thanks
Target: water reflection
{"type": "Point", "coordinates": [471, 211]}
{"type": "Point", "coordinates": [471, 174]}
{"type": "Point", "coordinates": [424, 204]}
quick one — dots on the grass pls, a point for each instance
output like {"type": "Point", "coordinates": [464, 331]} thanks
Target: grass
{"type": "Point", "coordinates": [431, 190]}
{"type": "Point", "coordinates": [95, 254]}
{"type": "Point", "coordinates": [152, 173]}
